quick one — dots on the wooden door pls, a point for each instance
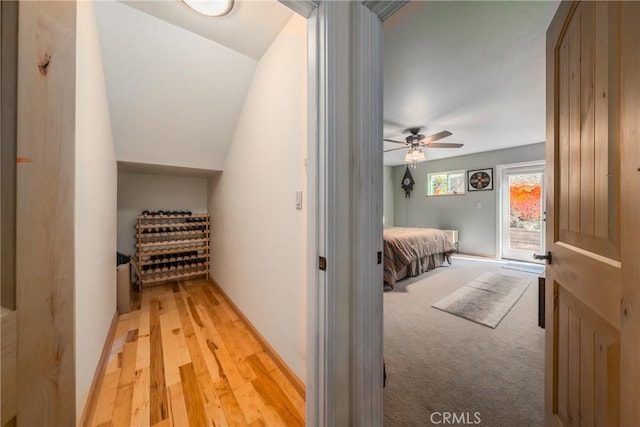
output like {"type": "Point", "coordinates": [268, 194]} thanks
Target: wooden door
{"type": "Point", "coordinates": [593, 169]}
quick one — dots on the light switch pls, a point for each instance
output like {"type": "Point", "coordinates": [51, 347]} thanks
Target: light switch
{"type": "Point", "coordinates": [298, 199]}
{"type": "Point", "coordinates": [479, 205]}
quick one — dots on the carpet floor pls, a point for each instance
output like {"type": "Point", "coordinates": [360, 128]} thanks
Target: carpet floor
{"type": "Point", "coordinates": [439, 363]}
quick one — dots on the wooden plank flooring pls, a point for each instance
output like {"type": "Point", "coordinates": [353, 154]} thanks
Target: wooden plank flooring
{"type": "Point", "coordinates": [185, 358]}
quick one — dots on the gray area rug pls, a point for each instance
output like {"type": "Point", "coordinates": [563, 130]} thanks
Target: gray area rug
{"type": "Point", "coordinates": [485, 300]}
{"type": "Point", "coordinates": [439, 363]}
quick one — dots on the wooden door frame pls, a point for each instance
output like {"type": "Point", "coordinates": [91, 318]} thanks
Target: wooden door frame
{"type": "Point", "coordinates": [629, 218]}
{"type": "Point", "coordinates": [45, 207]}
{"type": "Point", "coordinates": [330, 213]}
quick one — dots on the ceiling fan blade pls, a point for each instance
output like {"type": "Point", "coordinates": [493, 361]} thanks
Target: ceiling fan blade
{"type": "Point", "coordinates": [394, 149]}
{"type": "Point", "coordinates": [436, 137]}
{"type": "Point", "coordinates": [443, 145]}
{"type": "Point", "coordinates": [397, 142]}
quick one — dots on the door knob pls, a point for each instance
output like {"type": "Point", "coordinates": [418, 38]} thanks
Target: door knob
{"type": "Point", "coordinates": [546, 257]}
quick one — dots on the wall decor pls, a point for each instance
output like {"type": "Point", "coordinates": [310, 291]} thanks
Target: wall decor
{"type": "Point", "coordinates": [407, 183]}
{"type": "Point", "coordinates": [480, 179]}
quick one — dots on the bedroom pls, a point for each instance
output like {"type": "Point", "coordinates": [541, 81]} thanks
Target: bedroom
{"type": "Point", "coordinates": [574, 371]}
{"type": "Point", "coordinates": [480, 77]}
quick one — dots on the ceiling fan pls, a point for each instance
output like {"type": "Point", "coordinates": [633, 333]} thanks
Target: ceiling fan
{"type": "Point", "coordinates": [416, 140]}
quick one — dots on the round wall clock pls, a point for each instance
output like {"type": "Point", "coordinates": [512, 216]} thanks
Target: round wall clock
{"type": "Point", "coordinates": [480, 179]}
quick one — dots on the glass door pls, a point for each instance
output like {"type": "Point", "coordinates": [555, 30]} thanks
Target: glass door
{"type": "Point", "coordinates": [522, 212]}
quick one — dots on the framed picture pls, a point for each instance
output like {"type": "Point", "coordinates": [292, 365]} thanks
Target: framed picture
{"type": "Point", "coordinates": [480, 179]}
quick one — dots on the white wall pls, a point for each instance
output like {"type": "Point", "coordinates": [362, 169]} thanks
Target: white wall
{"type": "Point", "coordinates": [388, 191]}
{"type": "Point", "coordinates": [95, 207]}
{"type": "Point", "coordinates": [139, 192]}
{"type": "Point", "coordinates": [258, 237]}
{"type": "Point", "coordinates": [175, 97]}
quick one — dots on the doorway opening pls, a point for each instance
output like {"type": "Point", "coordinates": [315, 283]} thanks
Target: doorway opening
{"type": "Point", "coordinates": [521, 211]}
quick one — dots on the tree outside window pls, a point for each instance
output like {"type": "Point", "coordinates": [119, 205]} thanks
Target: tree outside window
{"type": "Point", "coordinates": [525, 197]}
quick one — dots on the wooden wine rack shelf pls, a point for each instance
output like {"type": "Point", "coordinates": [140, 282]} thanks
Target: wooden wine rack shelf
{"type": "Point", "coordinates": [181, 242]}
{"type": "Point", "coordinates": [172, 247]}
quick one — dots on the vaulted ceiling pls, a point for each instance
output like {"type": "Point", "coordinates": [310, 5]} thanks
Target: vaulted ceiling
{"type": "Point", "coordinates": [475, 68]}
{"type": "Point", "coordinates": [249, 28]}
{"type": "Point", "coordinates": [176, 80]}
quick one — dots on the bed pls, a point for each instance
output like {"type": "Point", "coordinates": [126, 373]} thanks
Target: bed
{"type": "Point", "coordinates": [409, 252]}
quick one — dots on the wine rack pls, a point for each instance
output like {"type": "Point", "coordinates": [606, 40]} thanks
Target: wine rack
{"type": "Point", "coordinates": [172, 247]}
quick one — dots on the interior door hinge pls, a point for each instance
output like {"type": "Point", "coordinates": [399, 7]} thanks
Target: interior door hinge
{"type": "Point", "coordinates": [322, 263]}
{"type": "Point", "coordinates": [379, 257]}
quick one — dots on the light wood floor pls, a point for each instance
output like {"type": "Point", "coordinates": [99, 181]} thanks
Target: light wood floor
{"type": "Point", "coordinates": [185, 358]}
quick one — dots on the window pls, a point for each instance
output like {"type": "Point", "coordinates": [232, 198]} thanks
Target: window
{"type": "Point", "coordinates": [445, 183]}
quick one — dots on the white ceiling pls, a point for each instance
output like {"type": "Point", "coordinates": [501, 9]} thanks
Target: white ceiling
{"type": "Point", "coordinates": [174, 96]}
{"type": "Point", "coordinates": [249, 28]}
{"type": "Point", "coordinates": [475, 68]}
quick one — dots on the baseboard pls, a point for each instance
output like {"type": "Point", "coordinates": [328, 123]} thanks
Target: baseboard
{"type": "Point", "coordinates": [286, 370]}
{"type": "Point", "coordinates": [96, 384]}
{"type": "Point", "coordinates": [477, 255]}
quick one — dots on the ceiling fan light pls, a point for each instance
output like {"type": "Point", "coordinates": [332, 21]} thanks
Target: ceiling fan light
{"type": "Point", "coordinates": [413, 156]}
{"type": "Point", "coordinates": [210, 7]}
{"type": "Point", "coordinates": [407, 157]}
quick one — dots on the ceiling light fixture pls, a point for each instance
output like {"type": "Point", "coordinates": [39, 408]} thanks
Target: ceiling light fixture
{"type": "Point", "coordinates": [210, 7]}
{"type": "Point", "coordinates": [414, 155]}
